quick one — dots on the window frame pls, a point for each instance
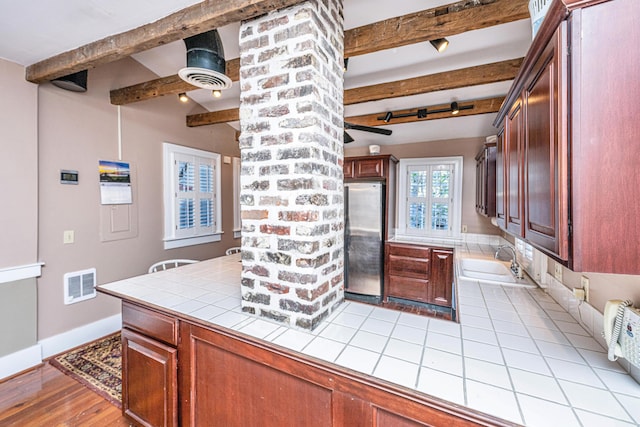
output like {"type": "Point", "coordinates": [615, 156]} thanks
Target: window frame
{"type": "Point", "coordinates": [172, 237]}
{"type": "Point", "coordinates": [404, 166]}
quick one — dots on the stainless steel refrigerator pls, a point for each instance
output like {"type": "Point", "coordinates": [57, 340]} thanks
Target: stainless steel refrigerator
{"type": "Point", "coordinates": [364, 248]}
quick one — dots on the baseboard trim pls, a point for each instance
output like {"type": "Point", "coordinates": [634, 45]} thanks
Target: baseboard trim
{"type": "Point", "coordinates": [19, 361]}
{"type": "Point", "coordinates": [67, 340]}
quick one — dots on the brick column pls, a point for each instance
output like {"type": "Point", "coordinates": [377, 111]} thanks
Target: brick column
{"type": "Point", "coordinates": [291, 114]}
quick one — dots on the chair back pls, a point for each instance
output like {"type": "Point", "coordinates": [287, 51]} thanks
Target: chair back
{"type": "Point", "coordinates": [170, 263]}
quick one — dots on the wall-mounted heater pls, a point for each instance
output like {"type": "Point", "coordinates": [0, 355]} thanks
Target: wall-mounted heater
{"type": "Point", "coordinates": [79, 286]}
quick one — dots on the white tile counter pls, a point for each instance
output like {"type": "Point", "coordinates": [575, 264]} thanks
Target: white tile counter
{"type": "Point", "coordinates": [515, 354]}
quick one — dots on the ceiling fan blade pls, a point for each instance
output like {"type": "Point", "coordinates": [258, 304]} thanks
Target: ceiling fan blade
{"type": "Point", "coordinates": [367, 128]}
{"type": "Point", "coordinates": [347, 138]}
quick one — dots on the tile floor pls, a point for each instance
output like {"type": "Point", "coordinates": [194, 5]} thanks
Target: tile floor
{"type": "Point", "coordinates": [516, 353]}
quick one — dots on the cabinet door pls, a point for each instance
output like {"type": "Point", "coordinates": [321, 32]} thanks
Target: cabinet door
{"type": "Point", "coordinates": [513, 163]}
{"type": "Point", "coordinates": [500, 181]}
{"type": "Point", "coordinates": [441, 280]}
{"type": "Point", "coordinates": [149, 380]}
{"type": "Point", "coordinates": [546, 198]}
{"type": "Point", "coordinates": [347, 168]}
{"type": "Point", "coordinates": [369, 168]}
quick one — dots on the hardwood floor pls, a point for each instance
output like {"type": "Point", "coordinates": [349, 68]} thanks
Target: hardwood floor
{"type": "Point", "coordinates": [47, 397]}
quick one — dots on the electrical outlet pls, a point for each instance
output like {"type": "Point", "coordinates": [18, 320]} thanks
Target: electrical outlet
{"type": "Point", "coordinates": [464, 228]}
{"type": "Point", "coordinates": [558, 272]}
{"type": "Point", "coordinates": [584, 281]}
{"type": "Point", "coordinates": [68, 237]}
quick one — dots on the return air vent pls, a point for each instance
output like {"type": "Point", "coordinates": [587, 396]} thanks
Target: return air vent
{"type": "Point", "coordinates": [79, 286]}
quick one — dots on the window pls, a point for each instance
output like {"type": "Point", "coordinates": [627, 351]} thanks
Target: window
{"type": "Point", "coordinates": [191, 206]}
{"type": "Point", "coordinates": [430, 194]}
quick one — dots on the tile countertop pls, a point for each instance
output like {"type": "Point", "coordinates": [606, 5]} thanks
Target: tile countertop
{"type": "Point", "coordinates": [516, 353]}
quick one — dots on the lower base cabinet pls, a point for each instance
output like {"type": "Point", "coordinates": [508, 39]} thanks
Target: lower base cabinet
{"type": "Point", "coordinates": [149, 382]}
{"type": "Point", "coordinates": [419, 273]}
{"type": "Point", "coordinates": [228, 379]}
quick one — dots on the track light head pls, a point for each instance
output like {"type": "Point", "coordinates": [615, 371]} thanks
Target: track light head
{"type": "Point", "coordinates": [388, 116]}
{"type": "Point", "coordinates": [216, 93]}
{"type": "Point", "coordinates": [422, 113]}
{"type": "Point", "coordinates": [346, 65]}
{"type": "Point", "coordinates": [454, 108]}
{"type": "Point", "coordinates": [183, 97]}
{"type": "Point", "coordinates": [440, 44]}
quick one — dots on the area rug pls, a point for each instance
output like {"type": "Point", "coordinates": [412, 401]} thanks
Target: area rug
{"type": "Point", "coordinates": [97, 365]}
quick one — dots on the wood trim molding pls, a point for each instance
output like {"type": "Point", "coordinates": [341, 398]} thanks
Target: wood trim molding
{"type": "Point", "coordinates": [430, 24]}
{"type": "Point", "coordinates": [196, 19]}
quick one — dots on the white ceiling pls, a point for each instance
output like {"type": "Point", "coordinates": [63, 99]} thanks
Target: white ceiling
{"type": "Point", "coordinates": [31, 31]}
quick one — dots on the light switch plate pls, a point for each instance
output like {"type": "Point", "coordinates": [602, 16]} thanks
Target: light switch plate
{"type": "Point", "coordinates": [68, 237]}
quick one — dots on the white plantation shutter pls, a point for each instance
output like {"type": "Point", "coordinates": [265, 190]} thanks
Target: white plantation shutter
{"type": "Point", "coordinates": [430, 196]}
{"type": "Point", "coordinates": [191, 188]}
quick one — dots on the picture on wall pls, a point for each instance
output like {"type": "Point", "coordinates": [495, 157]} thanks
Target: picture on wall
{"type": "Point", "coordinates": [115, 182]}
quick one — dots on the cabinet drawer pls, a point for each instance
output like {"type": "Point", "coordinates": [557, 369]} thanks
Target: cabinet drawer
{"type": "Point", "coordinates": [410, 251]}
{"type": "Point", "coordinates": [150, 323]}
{"type": "Point", "coordinates": [409, 267]}
{"type": "Point", "coordinates": [408, 288]}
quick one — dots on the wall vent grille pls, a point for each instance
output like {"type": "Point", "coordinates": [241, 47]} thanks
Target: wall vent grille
{"type": "Point", "coordinates": [79, 286]}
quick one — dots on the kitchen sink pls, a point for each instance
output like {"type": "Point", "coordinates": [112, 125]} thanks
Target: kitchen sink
{"type": "Point", "coordinates": [488, 270]}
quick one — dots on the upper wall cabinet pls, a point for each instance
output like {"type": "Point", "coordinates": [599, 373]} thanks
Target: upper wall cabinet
{"type": "Point", "coordinates": [567, 179]}
{"type": "Point", "coordinates": [486, 180]}
{"type": "Point", "coordinates": [545, 144]}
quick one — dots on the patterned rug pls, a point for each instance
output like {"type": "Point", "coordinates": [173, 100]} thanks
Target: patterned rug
{"type": "Point", "coordinates": [97, 365]}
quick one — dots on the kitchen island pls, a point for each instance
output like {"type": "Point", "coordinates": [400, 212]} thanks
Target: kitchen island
{"type": "Point", "coordinates": [515, 357]}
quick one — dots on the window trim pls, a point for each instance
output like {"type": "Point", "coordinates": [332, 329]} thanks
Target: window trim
{"type": "Point", "coordinates": [170, 239]}
{"type": "Point", "coordinates": [456, 203]}
{"type": "Point", "coordinates": [237, 215]}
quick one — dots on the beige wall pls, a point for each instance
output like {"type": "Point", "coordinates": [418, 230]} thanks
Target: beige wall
{"type": "Point", "coordinates": [19, 170]}
{"type": "Point", "coordinates": [76, 130]}
{"type": "Point", "coordinates": [468, 149]}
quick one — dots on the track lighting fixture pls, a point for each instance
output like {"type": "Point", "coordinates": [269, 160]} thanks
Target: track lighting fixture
{"type": "Point", "coordinates": [216, 93]}
{"type": "Point", "coordinates": [421, 113]}
{"type": "Point", "coordinates": [346, 64]}
{"type": "Point", "coordinates": [183, 97]}
{"type": "Point", "coordinates": [440, 44]}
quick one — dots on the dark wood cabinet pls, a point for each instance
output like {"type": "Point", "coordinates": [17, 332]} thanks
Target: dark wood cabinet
{"type": "Point", "coordinates": [576, 100]}
{"type": "Point", "coordinates": [545, 168]}
{"type": "Point", "coordinates": [149, 368]}
{"type": "Point", "coordinates": [441, 289]}
{"type": "Point", "coordinates": [382, 168]}
{"type": "Point", "coordinates": [486, 180]}
{"type": "Point", "coordinates": [501, 210]}
{"type": "Point", "coordinates": [513, 158]}
{"type": "Point", "coordinates": [216, 376]}
{"type": "Point", "coordinates": [418, 273]}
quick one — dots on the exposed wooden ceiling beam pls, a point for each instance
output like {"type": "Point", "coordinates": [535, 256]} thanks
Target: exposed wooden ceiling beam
{"type": "Point", "coordinates": [480, 106]}
{"type": "Point", "coordinates": [196, 19]}
{"type": "Point", "coordinates": [471, 76]}
{"type": "Point", "coordinates": [431, 24]}
{"type": "Point", "coordinates": [170, 85]}
{"type": "Point", "coordinates": [482, 74]}
{"type": "Point", "coordinates": [213, 117]}
{"type": "Point", "coordinates": [417, 27]}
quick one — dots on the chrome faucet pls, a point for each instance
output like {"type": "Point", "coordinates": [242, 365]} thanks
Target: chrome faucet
{"type": "Point", "coordinates": [515, 267]}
